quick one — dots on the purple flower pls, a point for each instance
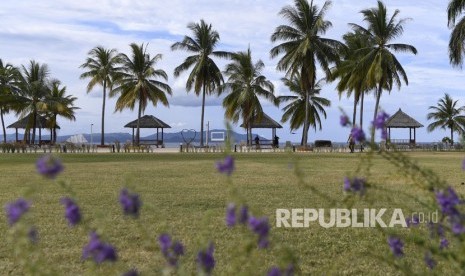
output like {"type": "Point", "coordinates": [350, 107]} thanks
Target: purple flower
{"type": "Point", "coordinates": [358, 134]}
{"type": "Point", "coordinates": [396, 246]}
{"type": "Point", "coordinates": [260, 227]}
{"type": "Point", "coordinates": [171, 251]}
{"type": "Point", "coordinates": [244, 214]}
{"type": "Point", "coordinates": [412, 221]}
{"type": "Point", "coordinates": [275, 271]}
{"type": "Point", "coordinates": [130, 203]}
{"type": "Point", "coordinates": [344, 120]}
{"type": "Point", "coordinates": [430, 263]}
{"type": "Point", "coordinates": [355, 185]}
{"type": "Point", "coordinates": [72, 212]}
{"type": "Point", "coordinates": [205, 259]}
{"type": "Point", "coordinates": [99, 251]}
{"type": "Point", "coordinates": [49, 166]}
{"type": "Point", "coordinates": [380, 121]}
{"type": "Point", "coordinates": [448, 200]}
{"type": "Point", "coordinates": [444, 243]}
{"type": "Point", "coordinates": [15, 210]}
{"type": "Point", "coordinates": [231, 215]}
{"type": "Point", "coordinates": [227, 167]}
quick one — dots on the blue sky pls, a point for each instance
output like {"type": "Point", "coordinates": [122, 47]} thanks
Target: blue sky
{"type": "Point", "coordinates": [60, 33]}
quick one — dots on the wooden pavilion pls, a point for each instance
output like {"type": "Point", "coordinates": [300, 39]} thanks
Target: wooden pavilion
{"type": "Point", "coordinates": [264, 121]}
{"type": "Point", "coordinates": [27, 124]}
{"type": "Point", "coordinates": [402, 120]}
{"type": "Point", "coordinates": [149, 121]}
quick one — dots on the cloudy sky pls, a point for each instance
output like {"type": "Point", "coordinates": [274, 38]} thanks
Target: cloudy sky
{"type": "Point", "coordinates": [61, 33]}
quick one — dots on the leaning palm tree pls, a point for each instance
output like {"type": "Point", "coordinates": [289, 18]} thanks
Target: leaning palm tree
{"type": "Point", "coordinates": [295, 111]}
{"type": "Point", "coordinates": [9, 82]}
{"type": "Point", "coordinates": [245, 85]}
{"type": "Point", "coordinates": [57, 103]}
{"type": "Point", "coordinates": [303, 47]}
{"type": "Point", "coordinates": [102, 67]}
{"type": "Point", "coordinates": [205, 76]}
{"type": "Point", "coordinates": [457, 37]}
{"type": "Point", "coordinates": [137, 83]}
{"type": "Point", "coordinates": [32, 93]}
{"type": "Point", "coordinates": [378, 62]}
{"type": "Point", "coordinates": [447, 115]}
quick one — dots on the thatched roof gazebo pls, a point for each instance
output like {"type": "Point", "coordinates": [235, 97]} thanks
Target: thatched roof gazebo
{"type": "Point", "coordinates": [149, 121]}
{"type": "Point", "coordinates": [265, 122]}
{"type": "Point", "coordinates": [402, 120]}
{"type": "Point", "coordinates": [27, 122]}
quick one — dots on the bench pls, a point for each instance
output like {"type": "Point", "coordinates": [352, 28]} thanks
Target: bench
{"type": "Point", "coordinates": [265, 144]}
{"type": "Point", "coordinates": [151, 142]}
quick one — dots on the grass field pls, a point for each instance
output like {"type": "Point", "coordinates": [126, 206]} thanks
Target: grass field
{"type": "Point", "coordinates": [185, 196]}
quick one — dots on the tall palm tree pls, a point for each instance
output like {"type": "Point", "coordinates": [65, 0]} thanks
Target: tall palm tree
{"type": "Point", "coordinates": [205, 76]}
{"type": "Point", "coordinates": [295, 112]}
{"type": "Point", "coordinates": [303, 47]}
{"type": "Point", "coordinates": [447, 115]}
{"type": "Point", "coordinates": [32, 93]}
{"type": "Point", "coordinates": [9, 82]}
{"type": "Point", "coordinates": [102, 68]}
{"type": "Point", "coordinates": [245, 85]}
{"type": "Point", "coordinates": [457, 37]}
{"type": "Point", "coordinates": [137, 82]}
{"type": "Point", "coordinates": [57, 103]}
{"type": "Point", "coordinates": [379, 64]}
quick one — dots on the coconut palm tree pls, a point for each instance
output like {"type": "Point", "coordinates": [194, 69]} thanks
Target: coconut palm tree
{"type": "Point", "coordinates": [303, 47]}
{"type": "Point", "coordinates": [102, 68]}
{"type": "Point", "coordinates": [245, 85]}
{"type": "Point", "coordinates": [205, 76]}
{"type": "Point", "coordinates": [32, 93]}
{"type": "Point", "coordinates": [447, 115]}
{"type": "Point", "coordinates": [57, 103]}
{"type": "Point", "coordinates": [137, 82]}
{"type": "Point", "coordinates": [457, 37]}
{"type": "Point", "coordinates": [379, 64]}
{"type": "Point", "coordinates": [9, 82]}
{"type": "Point", "coordinates": [294, 112]}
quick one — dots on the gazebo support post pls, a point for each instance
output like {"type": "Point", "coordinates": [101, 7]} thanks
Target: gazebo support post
{"type": "Point", "coordinates": [16, 135]}
{"type": "Point", "coordinates": [132, 136]}
{"type": "Point", "coordinates": [40, 136]}
{"type": "Point", "coordinates": [162, 137]}
{"type": "Point", "coordinates": [414, 137]}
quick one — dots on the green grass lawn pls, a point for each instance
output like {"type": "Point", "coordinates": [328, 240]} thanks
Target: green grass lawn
{"type": "Point", "coordinates": [185, 196]}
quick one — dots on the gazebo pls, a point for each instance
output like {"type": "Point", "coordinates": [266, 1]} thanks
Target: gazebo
{"type": "Point", "coordinates": [149, 121]}
{"type": "Point", "coordinates": [26, 122]}
{"type": "Point", "coordinates": [402, 120]}
{"type": "Point", "coordinates": [265, 122]}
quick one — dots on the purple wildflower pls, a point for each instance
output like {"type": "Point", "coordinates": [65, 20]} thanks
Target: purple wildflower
{"type": "Point", "coordinates": [231, 215]}
{"type": "Point", "coordinates": [275, 271]}
{"type": "Point", "coordinates": [358, 134]}
{"type": "Point", "coordinates": [99, 251]}
{"type": "Point", "coordinates": [171, 251]}
{"type": "Point", "coordinates": [448, 200]}
{"type": "Point", "coordinates": [344, 120]}
{"type": "Point", "coordinates": [355, 185]}
{"type": "Point", "coordinates": [49, 166]}
{"type": "Point", "coordinates": [130, 203]}
{"type": "Point", "coordinates": [412, 221]}
{"type": "Point", "coordinates": [244, 214]}
{"type": "Point", "coordinates": [227, 166]}
{"type": "Point", "coordinates": [15, 210]}
{"type": "Point", "coordinates": [72, 212]}
{"type": "Point", "coordinates": [429, 261]}
{"type": "Point", "coordinates": [260, 227]}
{"type": "Point", "coordinates": [444, 243]}
{"type": "Point", "coordinates": [205, 259]}
{"type": "Point", "coordinates": [458, 228]}
{"type": "Point", "coordinates": [396, 246]}
{"type": "Point", "coordinates": [380, 121]}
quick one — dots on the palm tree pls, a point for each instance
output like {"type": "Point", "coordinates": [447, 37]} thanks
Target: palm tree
{"type": "Point", "coordinates": [447, 115]}
{"type": "Point", "coordinates": [245, 85]}
{"type": "Point", "coordinates": [137, 83]}
{"type": "Point", "coordinates": [303, 47]}
{"type": "Point", "coordinates": [379, 64]}
{"type": "Point", "coordinates": [205, 75]}
{"type": "Point", "coordinates": [102, 68]}
{"type": "Point", "coordinates": [457, 37]}
{"type": "Point", "coordinates": [9, 82]}
{"type": "Point", "coordinates": [294, 112]}
{"type": "Point", "coordinates": [32, 93]}
{"type": "Point", "coordinates": [57, 103]}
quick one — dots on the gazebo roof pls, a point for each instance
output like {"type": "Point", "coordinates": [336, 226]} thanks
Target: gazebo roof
{"type": "Point", "coordinates": [265, 122]}
{"type": "Point", "coordinates": [41, 122]}
{"type": "Point", "coordinates": [402, 120]}
{"type": "Point", "coordinates": [148, 121]}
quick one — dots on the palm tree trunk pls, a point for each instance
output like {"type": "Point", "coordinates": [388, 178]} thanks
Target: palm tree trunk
{"type": "Point", "coordinates": [361, 110]}
{"type": "Point", "coordinates": [34, 119]}
{"type": "Point", "coordinates": [249, 133]}
{"type": "Point", "coordinates": [139, 113]}
{"type": "Point", "coordinates": [451, 136]}
{"type": "Point", "coordinates": [354, 115]}
{"type": "Point", "coordinates": [102, 137]}
{"type": "Point", "coordinates": [3, 125]}
{"type": "Point", "coordinates": [305, 131]}
{"type": "Point", "coordinates": [203, 113]}
{"type": "Point", "coordinates": [378, 97]}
